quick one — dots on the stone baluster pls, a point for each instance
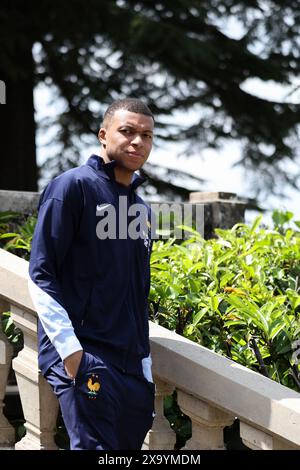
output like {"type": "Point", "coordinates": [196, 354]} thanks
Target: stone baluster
{"type": "Point", "coordinates": [40, 406]}
{"type": "Point", "coordinates": [161, 436]}
{"type": "Point", "coordinates": [257, 439]}
{"type": "Point", "coordinates": [7, 432]}
{"type": "Point", "coordinates": [208, 423]}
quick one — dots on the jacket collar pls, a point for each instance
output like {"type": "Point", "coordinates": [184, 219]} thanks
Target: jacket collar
{"type": "Point", "coordinates": [107, 170]}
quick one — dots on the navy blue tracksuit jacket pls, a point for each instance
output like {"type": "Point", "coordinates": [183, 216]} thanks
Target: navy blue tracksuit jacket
{"type": "Point", "coordinates": [102, 285]}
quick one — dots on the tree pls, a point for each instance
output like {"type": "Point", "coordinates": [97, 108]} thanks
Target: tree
{"type": "Point", "coordinates": [176, 54]}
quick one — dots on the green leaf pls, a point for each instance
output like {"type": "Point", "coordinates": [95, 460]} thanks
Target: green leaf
{"type": "Point", "coordinates": [8, 235]}
{"type": "Point", "coordinates": [226, 278]}
{"type": "Point", "coordinates": [199, 315]}
{"type": "Point", "coordinates": [280, 218]}
{"type": "Point", "coordinates": [255, 224]}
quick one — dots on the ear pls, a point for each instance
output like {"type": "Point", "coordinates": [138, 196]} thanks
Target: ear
{"type": "Point", "coordinates": [102, 136]}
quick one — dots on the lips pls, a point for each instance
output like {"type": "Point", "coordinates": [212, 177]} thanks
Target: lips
{"type": "Point", "coordinates": [135, 155]}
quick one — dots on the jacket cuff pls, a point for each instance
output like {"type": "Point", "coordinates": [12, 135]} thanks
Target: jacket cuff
{"type": "Point", "coordinates": [67, 345]}
{"type": "Point", "coordinates": [146, 364]}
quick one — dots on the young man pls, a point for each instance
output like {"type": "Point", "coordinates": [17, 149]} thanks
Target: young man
{"type": "Point", "coordinates": [89, 281]}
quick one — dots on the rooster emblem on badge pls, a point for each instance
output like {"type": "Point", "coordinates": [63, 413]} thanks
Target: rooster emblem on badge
{"type": "Point", "coordinates": [94, 386]}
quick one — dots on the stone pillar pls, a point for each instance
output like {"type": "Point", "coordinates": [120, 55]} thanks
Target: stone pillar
{"type": "Point", "coordinates": [207, 423]}
{"type": "Point", "coordinates": [221, 210]}
{"type": "Point", "coordinates": [7, 432]}
{"type": "Point", "coordinates": [161, 436]}
{"type": "Point", "coordinates": [39, 403]}
{"type": "Point", "coordinates": [257, 439]}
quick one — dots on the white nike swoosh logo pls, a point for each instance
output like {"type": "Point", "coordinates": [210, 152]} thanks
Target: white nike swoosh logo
{"type": "Point", "coordinates": [101, 208]}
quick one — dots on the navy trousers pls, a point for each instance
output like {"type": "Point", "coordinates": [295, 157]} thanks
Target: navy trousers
{"type": "Point", "coordinates": [103, 408]}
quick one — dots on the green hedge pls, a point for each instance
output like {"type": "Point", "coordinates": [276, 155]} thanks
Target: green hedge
{"type": "Point", "coordinates": [237, 294]}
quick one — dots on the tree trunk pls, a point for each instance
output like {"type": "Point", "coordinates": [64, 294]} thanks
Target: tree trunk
{"type": "Point", "coordinates": [18, 168]}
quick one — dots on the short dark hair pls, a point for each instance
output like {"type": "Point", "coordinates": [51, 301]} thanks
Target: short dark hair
{"type": "Point", "coordinates": [129, 104]}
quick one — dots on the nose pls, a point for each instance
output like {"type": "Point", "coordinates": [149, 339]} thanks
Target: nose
{"type": "Point", "coordinates": [137, 140]}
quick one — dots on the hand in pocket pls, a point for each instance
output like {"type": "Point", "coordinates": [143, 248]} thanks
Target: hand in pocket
{"type": "Point", "coordinates": [72, 363]}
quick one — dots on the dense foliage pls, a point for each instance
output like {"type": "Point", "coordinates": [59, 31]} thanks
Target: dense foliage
{"type": "Point", "coordinates": [237, 294]}
{"type": "Point", "coordinates": [16, 232]}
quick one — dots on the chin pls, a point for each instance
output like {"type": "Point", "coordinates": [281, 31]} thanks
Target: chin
{"type": "Point", "coordinates": [134, 166]}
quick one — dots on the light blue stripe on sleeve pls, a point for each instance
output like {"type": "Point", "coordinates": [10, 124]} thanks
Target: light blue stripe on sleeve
{"type": "Point", "coordinates": [147, 368]}
{"type": "Point", "coordinates": [55, 321]}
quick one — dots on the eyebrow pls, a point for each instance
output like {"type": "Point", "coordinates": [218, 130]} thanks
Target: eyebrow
{"type": "Point", "coordinates": [131, 126]}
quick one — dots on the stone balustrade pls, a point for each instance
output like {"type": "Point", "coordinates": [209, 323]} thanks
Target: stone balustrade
{"type": "Point", "coordinates": [39, 404]}
{"type": "Point", "coordinates": [211, 390]}
{"type": "Point", "coordinates": [7, 433]}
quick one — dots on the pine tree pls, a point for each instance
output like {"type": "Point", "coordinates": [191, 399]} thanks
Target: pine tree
{"type": "Point", "coordinates": [176, 54]}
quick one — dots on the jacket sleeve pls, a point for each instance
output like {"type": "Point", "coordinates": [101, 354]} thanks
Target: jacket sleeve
{"type": "Point", "coordinates": [52, 238]}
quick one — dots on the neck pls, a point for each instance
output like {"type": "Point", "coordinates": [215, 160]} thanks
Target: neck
{"type": "Point", "coordinates": [122, 175]}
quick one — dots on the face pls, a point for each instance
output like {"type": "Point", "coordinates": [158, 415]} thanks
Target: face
{"type": "Point", "coordinates": [127, 139]}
